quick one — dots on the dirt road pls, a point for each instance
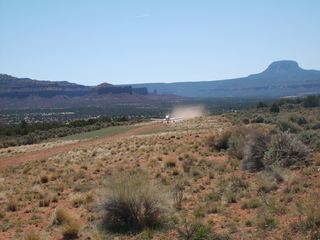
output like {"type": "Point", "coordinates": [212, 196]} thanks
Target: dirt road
{"type": "Point", "coordinates": [53, 151]}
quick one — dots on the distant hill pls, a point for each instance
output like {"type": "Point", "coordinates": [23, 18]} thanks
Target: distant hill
{"type": "Point", "coordinates": [25, 93]}
{"type": "Point", "coordinates": [24, 87]}
{"type": "Point", "coordinates": [281, 78]}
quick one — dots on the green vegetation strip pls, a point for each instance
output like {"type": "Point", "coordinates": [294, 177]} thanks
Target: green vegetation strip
{"type": "Point", "coordinates": [154, 130]}
{"type": "Point", "coordinates": [105, 132]}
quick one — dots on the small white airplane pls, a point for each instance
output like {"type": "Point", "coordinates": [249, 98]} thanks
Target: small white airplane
{"type": "Point", "coordinates": [168, 119]}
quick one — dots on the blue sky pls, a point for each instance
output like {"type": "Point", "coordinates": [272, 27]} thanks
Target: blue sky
{"type": "Point", "coordinates": [124, 42]}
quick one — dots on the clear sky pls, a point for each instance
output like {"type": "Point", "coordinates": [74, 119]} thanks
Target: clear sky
{"type": "Point", "coordinates": [133, 41]}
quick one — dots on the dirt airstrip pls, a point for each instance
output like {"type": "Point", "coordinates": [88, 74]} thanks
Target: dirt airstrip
{"type": "Point", "coordinates": [53, 151]}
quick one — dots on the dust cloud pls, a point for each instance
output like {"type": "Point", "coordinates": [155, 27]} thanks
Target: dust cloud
{"type": "Point", "coordinates": [188, 112]}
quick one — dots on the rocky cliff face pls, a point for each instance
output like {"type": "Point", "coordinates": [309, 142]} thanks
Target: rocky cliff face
{"type": "Point", "coordinates": [24, 87]}
{"type": "Point", "coordinates": [25, 93]}
{"type": "Point", "coordinates": [106, 88]}
{"type": "Point", "coordinates": [74, 90]}
{"type": "Point", "coordinates": [283, 67]}
{"type": "Point", "coordinates": [141, 91]}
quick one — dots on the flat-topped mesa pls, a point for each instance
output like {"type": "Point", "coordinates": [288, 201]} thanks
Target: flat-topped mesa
{"type": "Point", "coordinates": [283, 67]}
{"type": "Point", "coordinates": [106, 88]}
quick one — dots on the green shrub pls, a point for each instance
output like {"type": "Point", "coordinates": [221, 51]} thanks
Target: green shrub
{"type": "Point", "coordinates": [213, 195]}
{"type": "Point", "coordinates": [219, 141]}
{"type": "Point", "coordinates": [187, 164]}
{"type": "Point", "coordinates": [256, 146]}
{"type": "Point", "coordinates": [131, 203]}
{"type": "Point", "coordinates": [258, 119]}
{"type": "Point", "coordinates": [288, 126]}
{"type": "Point", "coordinates": [266, 220]}
{"type": "Point", "coordinates": [274, 108]}
{"type": "Point", "coordinates": [251, 203]}
{"type": "Point", "coordinates": [261, 105]}
{"type": "Point", "coordinates": [285, 150]}
{"type": "Point", "coordinates": [236, 147]}
{"type": "Point", "coordinates": [298, 119]}
{"type": "Point", "coordinates": [309, 136]}
{"type": "Point", "coordinates": [310, 210]}
{"type": "Point", "coordinates": [196, 230]}
{"type": "Point", "coordinates": [248, 223]}
{"type": "Point", "coordinates": [231, 197]}
{"type": "Point", "coordinates": [238, 183]}
{"type": "Point", "coordinates": [313, 126]}
{"type": "Point", "coordinates": [246, 121]}
{"type": "Point", "coordinates": [311, 101]}
{"type": "Point", "coordinates": [266, 183]}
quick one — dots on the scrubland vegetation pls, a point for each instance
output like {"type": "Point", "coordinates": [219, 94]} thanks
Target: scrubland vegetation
{"type": "Point", "coordinates": [250, 174]}
{"type": "Point", "coordinates": [33, 126]}
{"type": "Point", "coordinates": [25, 134]}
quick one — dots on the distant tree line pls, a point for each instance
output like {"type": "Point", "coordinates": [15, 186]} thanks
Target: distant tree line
{"type": "Point", "coordinates": [309, 101]}
{"type": "Point", "coordinates": [213, 106]}
{"type": "Point", "coordinates": [25, 133]}
{"type": "Point", "coordinates": [24, 128]}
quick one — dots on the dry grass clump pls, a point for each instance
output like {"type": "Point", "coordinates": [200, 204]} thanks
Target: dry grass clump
{"type": "Point", "coordinates": [79, 199]}
{"type": "Point", "coordinates": [33, 235]}
{"type": "Point", "coordinates": [177, 194]}
{"type": "Point", "coordinates": [170, 163]}
{"type": "Point", "coordinates": [12, 205]}
{"type": "Point", "coordinates": [131, 203]}
{"type": "Point", "coordinates": [316, 159]}
{"type": "Point", "coordinates": [71, 230]}
{"type": "Point", "coordinates": [2, 213]}
{"type": "Point", "coordinates": [312, 212]}
{"type": "Point", "coordinates": [69, 224]}
{"type": "Point", "coordinates": [62, 215]}
{"type": "Point", "coordinates": [84, 166]}
{"type": "Point", "coordinates": [308, 211]}
{"type": "Point", "coordinates": [45, 202]}
{"type": "Point", "coordinates": [266, 183]}
{"type": "Point", "coordinates": [44, 177]}
{"type": "Point", "coordinates": [176, 171]}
